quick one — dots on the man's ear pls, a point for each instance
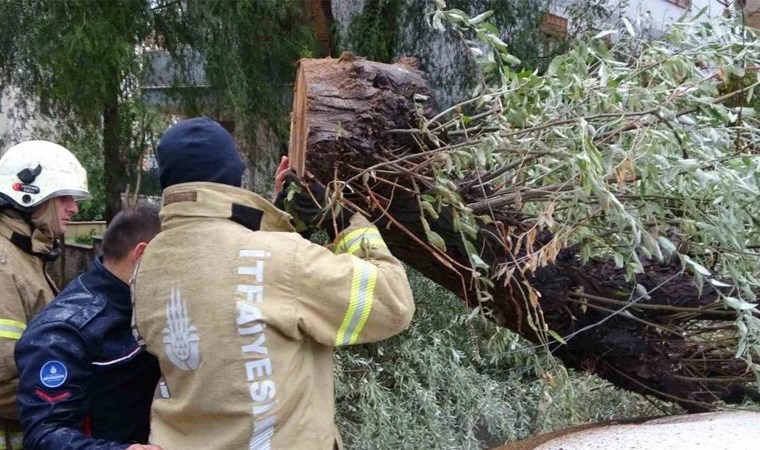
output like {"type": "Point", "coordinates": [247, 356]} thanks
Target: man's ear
{"type": "Point", "coordinates": [138, 251]}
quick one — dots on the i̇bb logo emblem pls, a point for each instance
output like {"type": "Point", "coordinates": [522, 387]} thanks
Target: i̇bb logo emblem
{"type": "Point", "coordinates": [53, 374]}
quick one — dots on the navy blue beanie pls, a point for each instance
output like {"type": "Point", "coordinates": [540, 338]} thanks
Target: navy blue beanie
{"type": "Point", "coordinates": [198, 149]}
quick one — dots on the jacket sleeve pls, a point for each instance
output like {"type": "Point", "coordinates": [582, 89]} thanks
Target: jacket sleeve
{"type": "Point", "coordinates": [53, 410]}
{"type": "Point", "coordinates": [358, 293]}
{"type": "Point", "coordinates": [12, 324]}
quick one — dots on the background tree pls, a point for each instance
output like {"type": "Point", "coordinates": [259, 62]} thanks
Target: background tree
{"type": "Point", "coordinates": [384, 30]}
{"type": "Point", "coordinates": [80, 59]}
{"type": "Point", "coordinates": [84, 61]}
{"type": "Point", "coordinates": [248, 50]}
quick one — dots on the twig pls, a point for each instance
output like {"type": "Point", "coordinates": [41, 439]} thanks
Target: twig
{"type": "Point", "coordinates": [508, 199]}
{"type": "Point", "coordinates": [504, 169]}
{"type": "Point", "coordinates": [630, 317]}
{"type": "Point", "coordinates": [445, 259]}
{"type": "Point", "coordinates": [649, 306]}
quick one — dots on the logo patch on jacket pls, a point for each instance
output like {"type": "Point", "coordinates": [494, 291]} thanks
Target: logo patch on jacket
{"type": "Point", "coordinates": [53, 374]}
{"type": "Point", "coordinates": [181, 340]}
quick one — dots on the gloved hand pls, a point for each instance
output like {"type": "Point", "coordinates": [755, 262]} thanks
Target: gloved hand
{"type": "Point", "coordinates": [310, 207]}
{"type": "Point", "coordinates": [282, 170]}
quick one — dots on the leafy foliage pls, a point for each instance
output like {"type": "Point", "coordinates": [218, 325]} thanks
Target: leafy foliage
{"type": "Point", "coordinates": [386, 30]}
{"type": "Point", "coordinates": [142, 127]}
{"type": "Point", "coordinates": [250, 50]}
{"type": "Point", "coordinates": [373, 33]}
{"type": "Point", "coordinates": [630, 152]}
{"type": "Point", "coordinates": [454, 381]}
{"type": "Point", "coordinates": [71, 53]}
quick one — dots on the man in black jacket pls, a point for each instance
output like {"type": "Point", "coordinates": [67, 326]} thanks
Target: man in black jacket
{"type": "Point", "coordinates": [84, 382]}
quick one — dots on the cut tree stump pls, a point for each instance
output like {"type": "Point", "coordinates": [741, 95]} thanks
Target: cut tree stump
{"type": "Point", "coordinates": [344, 108]}
{"type": "Point", "coordinates": [353, 122]}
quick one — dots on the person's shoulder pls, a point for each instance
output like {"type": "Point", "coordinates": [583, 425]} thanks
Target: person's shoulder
{"type": "Point", "coordinates": [75, 306]}
{"type": "Point", "coordinates": [285, 236]}
{"type": "Point", "coordinates": [285, 241]}
{"type": "Point", "coordinates": [12, 259]}
{"type": "Point", "coordinates": [243, 237]}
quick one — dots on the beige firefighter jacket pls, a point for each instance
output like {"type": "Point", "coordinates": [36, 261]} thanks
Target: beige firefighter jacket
{"type": "Point", "coordinates": [244, 322]}
{"type": "Point", "coordinates": [25, 288]}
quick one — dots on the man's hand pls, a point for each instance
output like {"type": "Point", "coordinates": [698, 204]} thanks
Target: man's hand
{"type": "Point", "coordinates": [144, 447]}
{"type": "Point", "coordinates": [307, 205]}
{"type": "Point", "coordinates": [279, 176]}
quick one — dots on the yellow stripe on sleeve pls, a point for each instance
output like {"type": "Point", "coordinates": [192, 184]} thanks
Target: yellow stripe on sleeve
{"type": "Point", "coordinates": [356, 236]}
{"type": "Point", "coordinates": [359, 304]}
{"type": "Point", "coordinates": [372, 242]}
{"type": "Point", "coordinates": [11, 329]}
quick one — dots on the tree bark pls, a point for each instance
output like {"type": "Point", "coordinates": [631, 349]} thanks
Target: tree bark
{"type": "Point", "coordinates": [352, 121]}
{"type": "Point", "coordinates": [113, 162]}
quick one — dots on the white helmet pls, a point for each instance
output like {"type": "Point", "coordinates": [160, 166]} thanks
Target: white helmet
{"type": "Point", "coordinates": [35, 171]}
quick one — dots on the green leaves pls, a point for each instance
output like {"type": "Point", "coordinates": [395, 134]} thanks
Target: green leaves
{"type": "Point", "coordinates": [435, 239]}
{"type": "Point", "coordinates": [452, 373]}
{"type": "Point", "coordinates": [646, 152]}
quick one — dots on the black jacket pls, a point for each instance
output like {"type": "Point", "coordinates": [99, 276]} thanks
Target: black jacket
{"type": "Point", "coordinates": [84, 383]}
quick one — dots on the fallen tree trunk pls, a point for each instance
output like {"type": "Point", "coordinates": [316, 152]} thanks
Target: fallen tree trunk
{"type": "Point", "coordinates": [356, 123]}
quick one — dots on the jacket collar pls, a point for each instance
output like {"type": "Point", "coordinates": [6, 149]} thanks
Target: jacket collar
{"type": "Point", "coordinates": [197, 200]}
{"type": "Point", "coordinates": [19, 232]}
{"type": "Point", "coordinates": [99, 280]}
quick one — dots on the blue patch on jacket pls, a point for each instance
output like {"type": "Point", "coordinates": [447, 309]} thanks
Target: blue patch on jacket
{"type": "Point", "coordinates": [53, 374]}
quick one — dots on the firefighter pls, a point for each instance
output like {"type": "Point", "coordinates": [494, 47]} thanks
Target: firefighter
{"type": "Point", "coordinates": [40, 183]}
{"type": "Point", "coordinates": [243, 313]}
{"type": "Point", "coordinates": [84, 380]}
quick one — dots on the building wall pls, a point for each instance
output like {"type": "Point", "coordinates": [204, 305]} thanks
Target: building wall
{"type": "Point", "coordinates": [20, 122]}
{"type": "Point", "coordinates": [663, 11]}
{"type": "Point", "coordinates": [649, 15]}
{"type": "Point", "coordinates": [656, 14]}
{"type": "Point", "coordinates": [77, 230]}
{"type": "Point", "coordinates": [752, 13]}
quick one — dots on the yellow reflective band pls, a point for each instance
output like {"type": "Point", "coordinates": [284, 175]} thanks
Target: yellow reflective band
{"type": "Point", "coordinates": [359, 304]}
{"type": "Point", "coordinates": [373, 242]}
{"type": "Point", "coordinates": [355, 237]}
{"type": "Point", "coordinates": [11, 329]}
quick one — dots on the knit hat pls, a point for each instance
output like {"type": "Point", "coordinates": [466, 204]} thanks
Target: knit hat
{"type": "Point", "coordinates": [198, 149]}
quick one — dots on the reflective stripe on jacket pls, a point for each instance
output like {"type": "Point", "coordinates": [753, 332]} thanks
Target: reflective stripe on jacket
{"type": "Point", "coordinates": [243, 314]}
